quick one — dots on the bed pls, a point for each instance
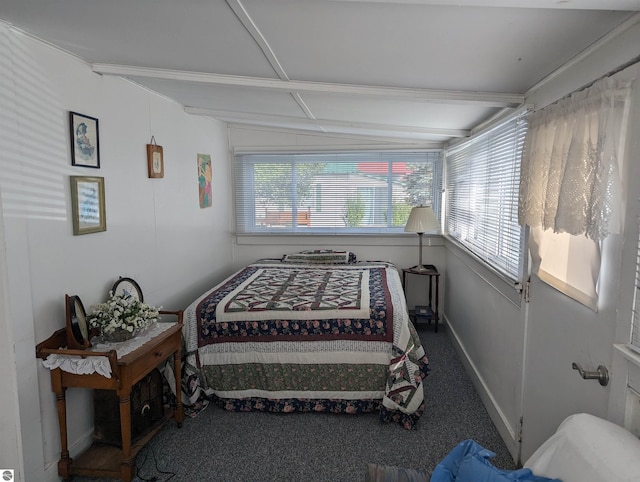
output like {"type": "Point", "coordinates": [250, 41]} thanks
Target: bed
{"type": "Point", "coordinates": [314, 331]}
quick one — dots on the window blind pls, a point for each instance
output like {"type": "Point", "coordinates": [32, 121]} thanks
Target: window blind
{"type": "Point", "coordinates": [635, 324]}
{"type": "Point", "coordinates": [337, 192]}
{"type": "Point", "coordinates": [482, 181]}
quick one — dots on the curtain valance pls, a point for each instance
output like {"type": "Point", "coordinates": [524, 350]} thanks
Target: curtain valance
{"type": "Point", "coordinates": [570, 166]}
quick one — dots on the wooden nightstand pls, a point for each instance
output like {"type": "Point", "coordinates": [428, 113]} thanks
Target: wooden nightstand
{"type": "Point", "coordinates": [430, 311]}
{"type": "Point", "coordinates": [104, 460]}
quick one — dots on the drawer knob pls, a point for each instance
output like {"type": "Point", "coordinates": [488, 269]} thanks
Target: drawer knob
{"type": "Point", "coordinates": [158, 353]}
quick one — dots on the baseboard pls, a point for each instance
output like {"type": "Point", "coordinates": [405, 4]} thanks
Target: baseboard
{"type": "Point", "coordinates": [505, 429]}
{"type": "Point", "coordinates": [84, 442]}
{"type": "Point", "coordinates": [51, 473]}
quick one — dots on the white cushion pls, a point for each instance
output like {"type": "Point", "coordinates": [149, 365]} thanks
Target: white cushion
{"type": "Point", "coordinates": [586, 448]}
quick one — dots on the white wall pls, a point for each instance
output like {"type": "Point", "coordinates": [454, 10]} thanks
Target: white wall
{"type": "Point", "coordinates": [487, 328]}
{"type": "Point", "coordinates": [10, 442]}
{"type": "Point", "coordinates": [520, 354]}
{"type": "Point", "coordinates": [156, 231]}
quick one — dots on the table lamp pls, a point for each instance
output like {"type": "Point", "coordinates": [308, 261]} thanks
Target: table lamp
{"type": "Point", "coordinates": [421, 219]}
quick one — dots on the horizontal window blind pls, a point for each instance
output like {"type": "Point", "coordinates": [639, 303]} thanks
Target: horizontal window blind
{"type": "Point", "coordinates": [635, 328]}
{"type": "Point", "coordinates": [337, 192]}
{"type": "Point", "coordinates": [482, 181]}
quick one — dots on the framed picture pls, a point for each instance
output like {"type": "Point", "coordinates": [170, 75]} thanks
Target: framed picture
{"type": "Point", "coordinates": [87, 203]}
{"type": "Point", "coordinates": [155, 161]}
{"type": "Point", "coordinates": [85, 142]}
{"type": "Point", "coordinates": [127, 287]}
{"type": "Point", "coordinates": [204, 180]}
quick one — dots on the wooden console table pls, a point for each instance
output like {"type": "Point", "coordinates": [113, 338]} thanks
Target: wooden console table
{"type": "Point", "coordinates": [103, 460]}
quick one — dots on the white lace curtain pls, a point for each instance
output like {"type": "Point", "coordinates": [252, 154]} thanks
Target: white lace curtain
{"type": "Point", "coordinates": [570, 165]}
{"type": "Point", "coordinates": [570, 186]}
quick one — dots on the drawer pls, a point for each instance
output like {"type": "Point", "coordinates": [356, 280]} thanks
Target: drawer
{"type": "Point", "coordinates": [153, 357]}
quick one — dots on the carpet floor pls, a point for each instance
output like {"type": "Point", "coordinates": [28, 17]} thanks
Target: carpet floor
{"type": "Point", "coordinates": [227, 446]}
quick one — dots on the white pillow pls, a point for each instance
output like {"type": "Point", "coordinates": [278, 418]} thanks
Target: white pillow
{"type": "Point", "coordinates": [586, 448]}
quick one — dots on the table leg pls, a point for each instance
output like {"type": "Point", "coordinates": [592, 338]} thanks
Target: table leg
{"type": "Point", "coordinates": [127, 467]}
{"type": "Point", "coordinates": [61, 404]}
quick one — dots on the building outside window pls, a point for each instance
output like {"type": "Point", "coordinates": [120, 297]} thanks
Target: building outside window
{"type": "Point", "coordinates": [348, 192]}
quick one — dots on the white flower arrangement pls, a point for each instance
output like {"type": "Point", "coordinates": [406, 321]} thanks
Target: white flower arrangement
{"type": "Point", "coordinates": [122, 313]}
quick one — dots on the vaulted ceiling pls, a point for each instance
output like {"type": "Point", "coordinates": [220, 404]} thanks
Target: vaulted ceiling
{"type": "Point", "coordinates": [412, 71]}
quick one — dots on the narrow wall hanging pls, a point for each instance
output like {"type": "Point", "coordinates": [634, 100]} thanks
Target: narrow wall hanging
{"type": "Point", "coordinates": [155, 159]}
{"type": "Point", "coordinates": [204, 180]}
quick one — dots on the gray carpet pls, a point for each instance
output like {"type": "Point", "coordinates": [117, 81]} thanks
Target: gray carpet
{"type": "Point", "coordinates": [226, 446]}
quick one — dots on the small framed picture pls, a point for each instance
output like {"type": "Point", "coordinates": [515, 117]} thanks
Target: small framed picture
{"type": "Point", "coordinates": [87, 205]}
{"type": "Point", "coordinates": [85, 142]}
{"type": "Point", "coordinates": [155, 161]}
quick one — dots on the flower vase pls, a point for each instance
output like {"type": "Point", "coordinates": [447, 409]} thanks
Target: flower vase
{"type": "Point", "coordinates": [118, 336]}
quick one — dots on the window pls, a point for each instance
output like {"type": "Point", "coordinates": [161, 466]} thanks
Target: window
{"type": "Point", "coordinates": [570, 186]}
{"type": "Point", "coordinates": [482, 196]}
{"type": "Point", "coordinates": [635, 325]}
{"type": "Point", "coordinates": [343, 192]}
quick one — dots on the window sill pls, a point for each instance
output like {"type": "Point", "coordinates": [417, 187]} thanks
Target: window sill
{"type": "Point", "coordinates": [391, 239]}
{"type": "Point", "coordinates": [509, 289]}
{"type": "Point", "coordinates": [628, 353]}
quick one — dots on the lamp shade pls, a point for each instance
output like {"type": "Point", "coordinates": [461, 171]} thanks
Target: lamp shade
{"type": "Point", "coordinates": [421, 220]}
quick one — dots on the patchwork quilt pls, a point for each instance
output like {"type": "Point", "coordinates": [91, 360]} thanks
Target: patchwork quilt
{"type": "Point", "coordinates": [289, 337]}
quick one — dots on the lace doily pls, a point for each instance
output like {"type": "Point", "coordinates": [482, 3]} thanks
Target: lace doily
{"type": "Point", "coordinates": [100, 364]}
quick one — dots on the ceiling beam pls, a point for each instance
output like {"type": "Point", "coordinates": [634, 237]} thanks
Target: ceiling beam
{"type": "Point", "coordinates": [631, 5]}
{"type": "Point", "coordinates": [261, 41]}
{"type": "Point", "coordinates": [248, 23]}
{"type": "Point", "coordinates": [489, 99]}
{"type": "Point", "coordinates": [279, 120]}
{"type": "Point", "coordinates": [368, 139]}
{"type": "Point", "coordinates": [367, 142]}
